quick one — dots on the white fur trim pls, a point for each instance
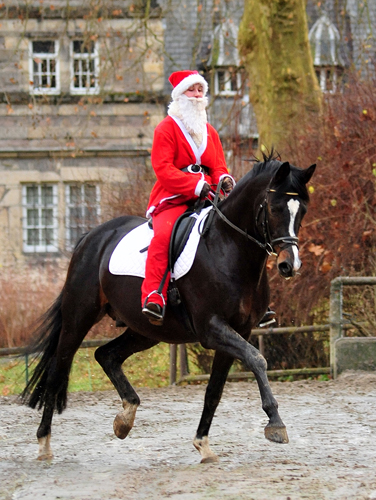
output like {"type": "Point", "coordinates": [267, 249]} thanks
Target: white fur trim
{"type": "Point", "coordinates": [231, 177]}
{"type": "Point", "coordinates": [198, 152]}
{"type": "Point", "coordinates": [199, 187]}
{"type": "Point", "coordinates": [153, 207]}
{"type": "Point", "coordinates": [188, 82]}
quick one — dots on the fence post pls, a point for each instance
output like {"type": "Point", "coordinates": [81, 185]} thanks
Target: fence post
{"type": "Point", "coordinates": [261, 345]}
{"type": "Point", "coordinates": [27, 368]}
{"type": "Point", "coordinates": [173, 357]}
{"type": "Point", "coordinates": [335, 319]}
{"type": "Point", "coordinates": [183, 360]}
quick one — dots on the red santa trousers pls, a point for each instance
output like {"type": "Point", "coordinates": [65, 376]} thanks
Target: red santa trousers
{"type": "Point", "coordinates": [157, 260]}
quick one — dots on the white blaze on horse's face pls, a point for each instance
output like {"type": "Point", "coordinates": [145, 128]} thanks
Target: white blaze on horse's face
{"type": "Point", "coordinates": [293, 206]}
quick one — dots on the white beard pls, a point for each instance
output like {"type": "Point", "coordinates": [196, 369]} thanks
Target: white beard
{"type": "Point", "coordinates": [191, 111]}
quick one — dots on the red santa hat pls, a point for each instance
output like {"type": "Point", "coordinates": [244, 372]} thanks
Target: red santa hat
{"type": "Point", "coordinates": [182, 80]}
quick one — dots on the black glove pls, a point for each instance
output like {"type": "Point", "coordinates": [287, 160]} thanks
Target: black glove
{"type": "Point", "coordinates": [205, 190]}
{"type": "Point", "coordinates": [227, 185]}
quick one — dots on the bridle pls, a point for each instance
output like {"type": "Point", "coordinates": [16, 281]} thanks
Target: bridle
{"type": "Point", "coordinates": [283, 241]}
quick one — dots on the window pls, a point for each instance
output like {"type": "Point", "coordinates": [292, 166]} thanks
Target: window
{"type": "Point", "coordinates": [44, 67]}
{"type": "Point", "coordinates": [40, 222]}
{"type": "Point", "coordinates": [84, 67]}
{"type": "Point", "coordinates": [328, 79]}
{"type": "Point", "coordinates": [82, 211]}
{"type": "Point", "coordinates": [226, 82]}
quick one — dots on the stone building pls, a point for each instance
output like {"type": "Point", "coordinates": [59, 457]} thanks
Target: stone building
{"type": "Point", "coordinates": [84, 83]}
{"type": "Point", "coordinates": [81, 95]}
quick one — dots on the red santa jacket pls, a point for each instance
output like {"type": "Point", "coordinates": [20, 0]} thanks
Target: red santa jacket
{"type": "Point", "coordinates": [174, 149]}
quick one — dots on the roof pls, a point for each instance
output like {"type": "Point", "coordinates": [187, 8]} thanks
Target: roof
{"type": "Point", "coordinates": [325, 42]}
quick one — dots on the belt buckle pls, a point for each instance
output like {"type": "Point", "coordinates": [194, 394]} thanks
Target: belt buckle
{"type": "Point", "coordinates": [194, 168]}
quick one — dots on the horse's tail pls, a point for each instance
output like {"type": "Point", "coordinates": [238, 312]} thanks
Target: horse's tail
{"type": "Point", "coordinates": [47, 337]}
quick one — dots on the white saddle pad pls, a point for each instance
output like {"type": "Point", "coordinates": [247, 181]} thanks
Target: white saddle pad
{"type": "Point", "coordinates": [127, 259]}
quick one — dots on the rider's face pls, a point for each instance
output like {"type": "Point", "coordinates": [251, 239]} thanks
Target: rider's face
{"type": "Point", "coordinates": [196, 90]}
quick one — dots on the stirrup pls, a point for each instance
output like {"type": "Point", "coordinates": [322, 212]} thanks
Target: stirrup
{"type": "Point", "coordinates": [153, 311]}
{"type": "Point", "coordinates": [268, 319]}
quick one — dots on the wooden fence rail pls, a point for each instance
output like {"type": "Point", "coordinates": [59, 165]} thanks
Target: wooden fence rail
{"type": "Point", "coordinates": [260, 332]}
{"type": "Point", "coordinates": [180, 353]}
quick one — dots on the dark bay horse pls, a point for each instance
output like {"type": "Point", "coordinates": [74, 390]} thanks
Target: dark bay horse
{"type": "Point", "coordinates": [226, 293]}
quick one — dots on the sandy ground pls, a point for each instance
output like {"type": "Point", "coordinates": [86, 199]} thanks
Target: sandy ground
{"type": "Point", "coordinates": [331, 454]}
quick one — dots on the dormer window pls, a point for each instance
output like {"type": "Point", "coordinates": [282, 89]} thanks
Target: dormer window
{"type": "Point", "coordinates": [328, 78]}
{"type": "Point", "coordinates": [226, 81]}
{"type": "Point", "coordinates": [224, 59]}
{"type": "Point", "coordinates": [325, 43]}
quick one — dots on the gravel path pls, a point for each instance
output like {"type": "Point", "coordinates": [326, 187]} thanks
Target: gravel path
{"type": "Point", "coordinates": [331, 454]}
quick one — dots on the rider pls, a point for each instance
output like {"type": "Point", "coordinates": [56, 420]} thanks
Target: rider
{"type": "Point", "coordinates": [188, 159]}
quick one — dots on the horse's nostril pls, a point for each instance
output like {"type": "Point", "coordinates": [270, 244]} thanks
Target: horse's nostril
{"type": "Point", "coordinates": [285, 269]}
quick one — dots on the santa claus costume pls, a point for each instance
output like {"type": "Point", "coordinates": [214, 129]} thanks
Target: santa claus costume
{"type": "Point", "coordinates": [187, 158]}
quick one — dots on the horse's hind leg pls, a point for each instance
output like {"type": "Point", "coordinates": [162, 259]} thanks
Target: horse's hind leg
{"type": "Point", "coordinates": [51, 386]}
{"type": "Point", "coordinates": [44, 433]}
{"type": "Point", "coordinates": [56, 385]}
{"type": "Point", "coordinates": [221, 366]}
{"type": "Point", "coordinates": [111, 356]}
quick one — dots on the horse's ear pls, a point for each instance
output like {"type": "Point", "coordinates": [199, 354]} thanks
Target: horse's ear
{"type": "Point", "coordinates": [307, 173]}
{"type": "Point", "coordinates": [282, 173]}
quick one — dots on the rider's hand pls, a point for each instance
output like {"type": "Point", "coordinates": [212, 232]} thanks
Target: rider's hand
{"type": "Point", "coordinates": [205, 190]}
{"type": "Point", "coordinates": [227, 185]}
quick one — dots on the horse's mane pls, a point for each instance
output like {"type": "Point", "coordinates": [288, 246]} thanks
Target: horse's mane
{"type": "Point", "coordinates": [270, 162]}
{"type": "Point", "coordinates": [264, 170]}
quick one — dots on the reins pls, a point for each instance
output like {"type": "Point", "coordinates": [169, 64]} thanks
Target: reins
{"type": "Point", "coordinates": [268, 246]}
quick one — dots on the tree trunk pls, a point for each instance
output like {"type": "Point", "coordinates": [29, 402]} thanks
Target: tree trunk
{"type": "Point", "coordinates": [273, 42]}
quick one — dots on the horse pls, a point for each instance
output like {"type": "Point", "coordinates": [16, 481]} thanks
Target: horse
{"type": "Point", "coordinates": [226, 293]}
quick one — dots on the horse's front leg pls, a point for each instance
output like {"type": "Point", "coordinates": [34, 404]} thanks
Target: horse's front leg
{"type": "Point", "coordinates": [221, 337]}
{"type": "Point", "coordinates": [221, 366]}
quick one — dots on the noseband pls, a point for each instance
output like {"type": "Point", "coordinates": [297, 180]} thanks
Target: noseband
{"type": "Point", "coordinates": [283, 241]}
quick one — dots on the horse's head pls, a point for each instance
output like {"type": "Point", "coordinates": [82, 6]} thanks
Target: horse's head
{"type": "Point", "coordinates": [281, 213]}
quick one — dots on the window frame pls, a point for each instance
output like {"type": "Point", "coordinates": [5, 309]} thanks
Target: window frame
{"type": "Point", "coordinates": [69, 243]}
{"type": "Point", "coordinates": [76, 56]}
{"type": "Point", "coordinates": [40, 247]}
{"type": "Point", "coordinates": [44, 56]}
{"type": "Point", "coordinates": [228, 78]}
{"type": "Point", "coordinates": [325, 74]}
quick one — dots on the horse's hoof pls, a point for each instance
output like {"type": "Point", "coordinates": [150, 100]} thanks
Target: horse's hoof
{"type": "Point", "coordinates": [277, 434]}
{"type": "Point", "coordinates": [202, 445]}
{"type": "Point", "coordinates": [45, 456]}
{"type": "Point", "coordinates": [210, 460]}
{"type": "Point", "coordinates": [45, 452]}
{"type": "Point", "coordinates": [124, 420]}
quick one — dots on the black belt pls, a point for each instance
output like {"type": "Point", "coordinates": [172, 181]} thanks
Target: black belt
{"type": "Point", "coordinates": [196, 169]}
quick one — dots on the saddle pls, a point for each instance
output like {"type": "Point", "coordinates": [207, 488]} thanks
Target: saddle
{"type": "Point", "coordinates": [180, 234]}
